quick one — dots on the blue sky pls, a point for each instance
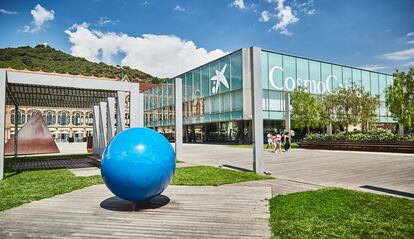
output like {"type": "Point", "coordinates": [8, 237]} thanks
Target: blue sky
{"type": "Point", "coordinates": [167, 37]}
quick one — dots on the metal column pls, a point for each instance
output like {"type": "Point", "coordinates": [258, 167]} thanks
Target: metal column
{"type": "Point", "coordinates": [96, 135]}
{"type": "Point", "coordinates": [257, 116]}
{"type": "Point", "coordinates": [136, 108]}
{"type": "Point", "coordinates": [3, 83]}
{"type": "Point", "coordinates": [287, 112]}
{"type": "Point", "coordinates": [178, 118]}
{"type": "Point", "coordinates": [102, 126]}
{"type": "Point", "coordinates": [16, 130]}
{"type": "Point", "coordinates": [111, 119]}
{"type": "Point", "coordinates": [120, 112]}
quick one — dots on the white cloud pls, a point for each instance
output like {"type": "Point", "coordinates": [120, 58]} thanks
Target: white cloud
{"type": "Point", "coordinates": [159, 55]}
{"type": "Point", "coordinates": [373, 67]}
{"type": "Point", "coordinates": [239, 4]}
{"type": "Point", "coordinates": [311, 12]}
{"type": "Point", "coordinates": [410, 42]}
{"type": "Point", "coordinates": [265, 16]}
{"type": "Point", "coordinates": [410, 34]}
{"type": "Point", "coordinates": [399, 55]}
{"type": "Point", "coordinates": [285, 16]}
{"type": "Point", "coordinates": [40, 17]}
{"type": "Point", "coordinates": [4, 11]}
{"type": "Point", "coordinates": [180, 9]}
{"type": "Point", "coordinates": [305, 6]}
{"type": "Point", "coordinates": [145, 3]}
{"type": "Point", "coordinates": [106, 21]}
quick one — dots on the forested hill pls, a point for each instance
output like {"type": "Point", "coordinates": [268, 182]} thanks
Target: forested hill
{"type": "Point", "coordinates": [47, 59]}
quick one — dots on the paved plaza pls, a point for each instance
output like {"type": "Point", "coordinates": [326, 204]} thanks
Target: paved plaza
{"type": "Point", "coordinates": [300, 169]}
{"type": "Point", "coordinates": [230, 211]}
{"type": "Point", "coordinates": [181, 212]}
{"type": "Point", "coordinates": [316, 168]}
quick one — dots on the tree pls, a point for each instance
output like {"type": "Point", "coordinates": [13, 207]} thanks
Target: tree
{"type": "Point", "coordinates": [305, 110]}
{"type": "Point", "coordinates": [328, 104]}
{"type": "Point", "coordinates": [48, 59]}
{"type": "Point", "coordinates": [400, 97]}
{"type": "Point", "coordinates": [348, 105]}
{"type": "Point", "coordinates": [368, 105]}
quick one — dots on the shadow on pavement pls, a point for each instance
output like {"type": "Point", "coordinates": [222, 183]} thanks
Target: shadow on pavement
{"type": "Point", "coordinates": [117, 204]}
{"type": "Point", "coordinates": [387, 190]}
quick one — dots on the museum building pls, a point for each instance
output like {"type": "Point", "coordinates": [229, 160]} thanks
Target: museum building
{"type": "Point", "coordinates": [217, 96]}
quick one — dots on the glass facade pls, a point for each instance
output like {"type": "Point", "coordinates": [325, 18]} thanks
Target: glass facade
{"type": "Point", "coordinates": [284, 73]}
{"type": "Point", "coordinates": [213, 94]}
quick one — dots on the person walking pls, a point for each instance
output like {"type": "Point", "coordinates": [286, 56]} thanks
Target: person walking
{"type": "Point", "coordinates": [274, 142]}
{"type": "Point", "coordinates": [269, 140]}
{"type": "Point", "coordinates": [287, 141]}
{"type": "Point", "coordinates": [278, 143]}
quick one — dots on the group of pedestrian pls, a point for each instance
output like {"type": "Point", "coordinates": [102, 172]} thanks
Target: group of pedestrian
{"type": "Point", "coordinates": [276, 140]}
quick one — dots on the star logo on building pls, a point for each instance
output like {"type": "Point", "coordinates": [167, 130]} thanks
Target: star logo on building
{"type": "Point", "coordinates": [219, 79]}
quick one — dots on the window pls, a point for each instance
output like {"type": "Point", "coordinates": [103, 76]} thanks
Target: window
{"type": "Point", "coordinates": [21, 117]}
{"type": "Point", "coordinates": [236, 71]}
{"type": "Point", "coordinates": [347, 76]}
{"type": "Point", "coordinates": [337, 73]}
{"type": "Point", "coordinates": [315, 76]}
{"type": "Point", "coordinates": [205, 81]}
{"type": "Point", "coordinates": [225, 102]}
{"type": "Point", "coordinates": [215, 104]}
{"type": "Point", "coordinates": [374, 84]}
{"type": "Point", "coordinates": [327, 76]}
{"type": "Point", "coordinates": [275, 100]}
{"type": "Point", "coordinates": [77, 118]}
{"type": "Point", "coordinates": [356, 77]}
{"type": "Point", "coordinates": [303, 74]}
{"type": "Point", "coordinates": [89, 118]}
{"type": "Point", "coordinates": [366, 82]}
{"type": "Point", "coordinates": [197, 83]}
{"type": "Point", "coordinates": [275, 79]}
{"type": "Point", "coordinates": [237, 100]}
{"type": "Point", "coordinates": [214, 66]}
{"type": "Point", "coordinates": [289, 72]}
{"type": "Point", "coordinates": [382, 83]}
{"type": "Point", "coordinates": [30, 114]}
{"type": "Point", "coordinates": [50, 117]}
{"type": "Point", "coordinates": [63, 118]}
{"type": "Point", "coordinates": [225, 62]}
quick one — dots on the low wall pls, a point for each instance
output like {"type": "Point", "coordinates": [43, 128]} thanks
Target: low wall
{"type": "Point", "coordinates": [359, 146]}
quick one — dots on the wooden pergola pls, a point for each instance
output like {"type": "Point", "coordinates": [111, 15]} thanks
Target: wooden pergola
{"type": "Point", "coordinates": [105, 97]}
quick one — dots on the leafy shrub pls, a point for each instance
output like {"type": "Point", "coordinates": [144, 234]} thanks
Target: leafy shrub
{"type": "Point", "coordinates": [377, 135]}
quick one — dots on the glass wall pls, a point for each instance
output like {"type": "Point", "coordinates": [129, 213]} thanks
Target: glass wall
{"type": "Point", "coordinates": [214, 92]}
{"type": "Point", "coordinates": [211, 93]}
{"type": "Point", "coordinates": [283, 73]}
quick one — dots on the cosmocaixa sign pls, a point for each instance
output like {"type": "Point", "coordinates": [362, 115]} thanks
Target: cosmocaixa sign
{"type": "Point", "coordinates": [290, 83]}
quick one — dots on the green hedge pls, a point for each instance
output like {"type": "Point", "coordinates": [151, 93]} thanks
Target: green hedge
{"type": "Point", "coordinates": [378, 135]}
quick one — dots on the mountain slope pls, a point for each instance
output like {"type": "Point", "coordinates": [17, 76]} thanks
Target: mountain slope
{"type": "Point", "coordinates": [48, 59]}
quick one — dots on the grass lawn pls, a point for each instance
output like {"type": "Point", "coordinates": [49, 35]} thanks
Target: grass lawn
{"type": "Point", "coordinates": [340, 213]}
{"type": "Point", "coordinates": [249, 146]}
{"type": "Point", "coordinates": [22, 187]}
{"type": "Point", "coordinates": [212, 176]}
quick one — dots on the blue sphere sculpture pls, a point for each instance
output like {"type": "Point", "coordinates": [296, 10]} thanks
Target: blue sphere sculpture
{"type": "Point", "coordinates": [138, 164]}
